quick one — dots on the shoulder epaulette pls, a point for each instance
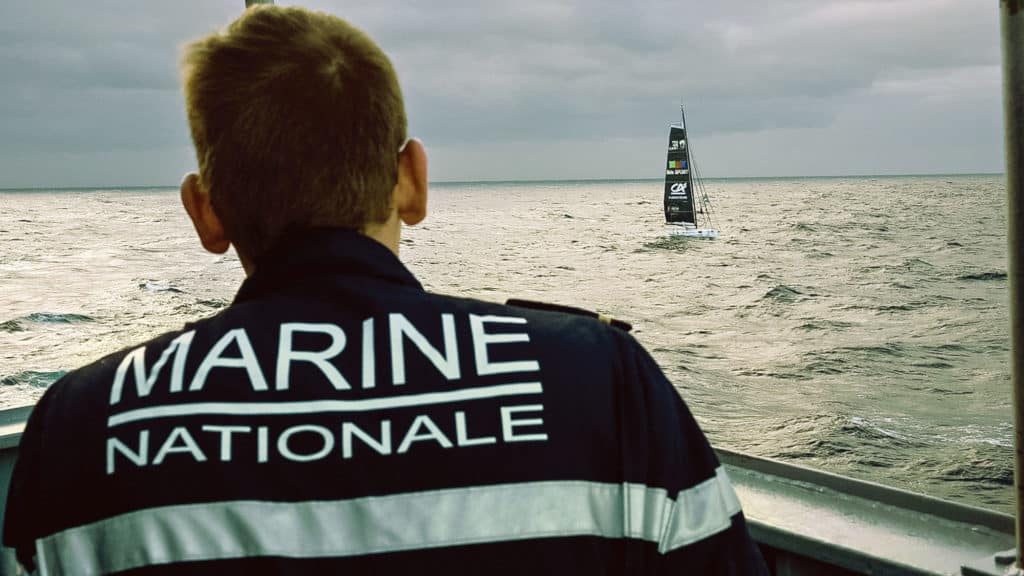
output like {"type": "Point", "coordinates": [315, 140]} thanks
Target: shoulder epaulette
{"type": "Point", "coordinates": [569, 310]}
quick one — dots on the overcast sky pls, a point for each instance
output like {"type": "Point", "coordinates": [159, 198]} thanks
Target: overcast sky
{"type": "Point", "coordinates": [538, 89]}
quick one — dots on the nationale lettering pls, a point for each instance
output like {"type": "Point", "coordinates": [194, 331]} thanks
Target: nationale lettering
{"type": "Point", "coordinates": [138, 456]}
{"type": "Point", "coordinates": [309, 442]}
{"type": "Point", "coordinates": [225, 437]}
{"type": "Point", "coordinates": [382, 446]}
{"type": "Point", "coordinates": [172, 445]}
{"type": "Point", "coordinates": [431, 432]}
{"type": "Point", "coordinates": [462, 435]}
{"type": "Point", "coordinates": [509, 424]}
{"type": "Point", "coordinates": [287, 452]}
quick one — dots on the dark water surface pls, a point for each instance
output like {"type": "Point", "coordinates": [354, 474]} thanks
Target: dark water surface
{"type": "Point", "coordinates": [857, 325]}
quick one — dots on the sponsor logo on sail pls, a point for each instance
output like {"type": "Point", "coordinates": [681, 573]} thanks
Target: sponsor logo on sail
{"type": "Point", "coordinates": [678, 189]}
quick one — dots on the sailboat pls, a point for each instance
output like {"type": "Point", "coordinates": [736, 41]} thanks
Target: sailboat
{"type": "Point", "coordinates": [687, 206]}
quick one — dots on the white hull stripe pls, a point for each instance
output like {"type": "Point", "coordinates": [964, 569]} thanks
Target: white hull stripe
{"type": "Point", "coordinates": [410, 521]}
{"type": "Point", "coordinates": [316, 406]}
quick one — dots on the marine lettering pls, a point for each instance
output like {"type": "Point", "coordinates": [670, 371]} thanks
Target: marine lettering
{"type": "Point", "coordinates": [214, 359]}
{"type": "Point", "coordinates": [369, 358]}
{"type": "Point", "coordinates": [447, 363]}
{"type": "Point", "coordinates": [286, 354]}
{"type": "Point", "coordinates": [481, 339]}
{"type": "Point", "coordinates": [136, 359]}
{"type": "Point", "coordinates": [233, 351]}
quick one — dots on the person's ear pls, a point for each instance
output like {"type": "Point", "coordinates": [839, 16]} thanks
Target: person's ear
{"type": "Point", "coordinates": [411, 189]}
{"type": "Point", "coordinates": [205, 220]}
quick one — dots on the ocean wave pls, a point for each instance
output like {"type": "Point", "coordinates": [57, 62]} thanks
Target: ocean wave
{"type": "Point", "coordinates": [815, 325]}
{"type": "Point", "coordinates": [980, 469]}
{"type": "Point", "coordinates": [11, 326]}
{"type": "Point", "coordinates": [668, 243]}
{"type": "Point", "coordinates": [819, 254]}
{"type": "Point", "coordinates": [940, 391]}
{"type": "Point", "coordinates": [916, 263]}
{"type": "Point", "coordinates": [20, 323]}
{"type": "Point", "coordinates": [783, 293]}
{"type": "Point", "coordinates": [34, 378]}
{"type": "Point", "coordinates": [825, 367]}
{"type": "Point", "coordinates": [159, 287]}
{"type": "Point", "coordinates": [887, 349]}
{"type": "Point", "coordinates": [215, 303]}
{"type": "Point", "coordinates": [983, 276]}
{"type": "Point", "coordinates": [849, 359]}
{"type": "Point", "coordinates": [755, 372]}
{"type": "Point", "coordinates": [896, 307]}
{"type": "Point", "coordinates": [857, 440]}
{"type": "Point", "coordinates": [56, 318]}
{"type": "Point", "coordinates": [933, 364]}
{"type": "Point", "coordinates": [902, 307]}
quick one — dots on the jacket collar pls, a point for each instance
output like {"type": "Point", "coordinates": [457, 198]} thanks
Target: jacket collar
{"type": "Point", "coordinates": [324, 251]}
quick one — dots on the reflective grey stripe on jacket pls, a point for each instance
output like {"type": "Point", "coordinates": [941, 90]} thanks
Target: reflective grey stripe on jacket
{"type": "Point", "coordinates": [399, 522]}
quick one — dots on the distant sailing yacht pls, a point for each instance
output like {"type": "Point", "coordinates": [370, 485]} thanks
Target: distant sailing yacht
{"type": "Point", "coordinates": [685, 216]}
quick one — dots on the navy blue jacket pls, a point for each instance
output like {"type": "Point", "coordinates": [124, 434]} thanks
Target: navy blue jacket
{"type": "Point", "coordinates": [337, 418]}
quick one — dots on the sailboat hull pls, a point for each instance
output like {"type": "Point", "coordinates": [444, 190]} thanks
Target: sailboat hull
{"type": "Point", "coordinates": [691, 231]}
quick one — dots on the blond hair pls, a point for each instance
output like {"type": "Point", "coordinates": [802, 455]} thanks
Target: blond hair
{"type": "Point", "coordinates": [296, 117]}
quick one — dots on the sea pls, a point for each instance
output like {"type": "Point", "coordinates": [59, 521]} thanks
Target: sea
{"type": "Point", "coordinates": [857, 325]}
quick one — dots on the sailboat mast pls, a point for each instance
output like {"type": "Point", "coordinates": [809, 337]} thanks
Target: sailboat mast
{"type": "Point", "coordinates": [695, 185]}
{"type": "Point", "coordinates": [1012, 25]}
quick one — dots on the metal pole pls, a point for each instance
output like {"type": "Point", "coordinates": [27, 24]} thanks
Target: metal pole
{"type": "Point", "coordinates": [1012, 24]}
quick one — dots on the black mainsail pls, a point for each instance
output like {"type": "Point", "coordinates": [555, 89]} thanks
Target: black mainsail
{"type": "Point", "coordinates": [678, 183]}
{"type": "Point", "coordinates": [685, 199]}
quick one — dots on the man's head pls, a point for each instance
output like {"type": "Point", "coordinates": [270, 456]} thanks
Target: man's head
{"type": "Point", "coordinates": [297, 120]}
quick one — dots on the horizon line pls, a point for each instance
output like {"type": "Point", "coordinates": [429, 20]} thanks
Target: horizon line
{"type": "Point", "coordinates": [540, 180]}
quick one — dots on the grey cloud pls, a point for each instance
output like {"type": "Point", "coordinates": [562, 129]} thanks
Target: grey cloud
{"type": "Point", "coordinates": [790, 64]}
{"type": "Point", "coordinates": [102, 75]}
